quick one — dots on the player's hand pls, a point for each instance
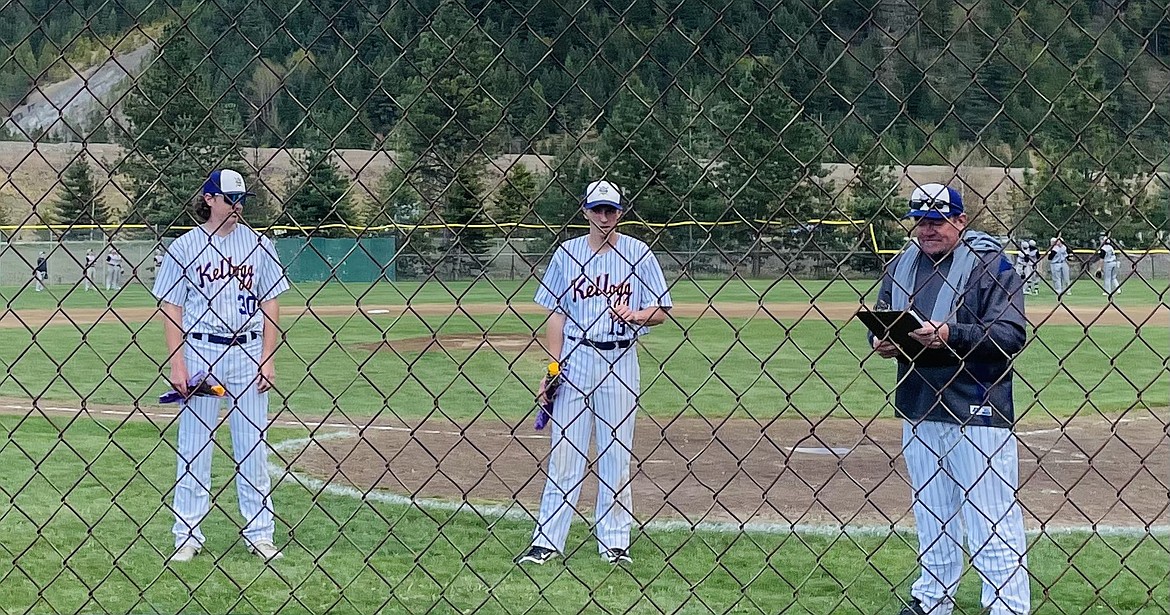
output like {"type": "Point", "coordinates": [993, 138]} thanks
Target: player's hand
{"type": "Point", "coordinates": [179, 377]}
{"type": "Point", "coordinates": [541, 396]}
{"type": "Point", "coordinates": [621, 312]}
{"type": "Point", "coordinates": [885, 348]}
{"type": "Point", "coordinates": [267, 377]}
{"type": "Point", "coordinates": [933, 334]}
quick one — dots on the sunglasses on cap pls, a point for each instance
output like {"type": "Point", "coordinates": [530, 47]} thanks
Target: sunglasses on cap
{"type": "Point", "coordinates": [940, 206]}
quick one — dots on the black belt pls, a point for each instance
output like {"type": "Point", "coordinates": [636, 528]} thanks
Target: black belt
{"type": "Point", "coordinates": [603, 345]}
{"type": "Point", "coordinates": [226, 341]}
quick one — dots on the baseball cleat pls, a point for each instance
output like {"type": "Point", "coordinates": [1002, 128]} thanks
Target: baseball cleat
{"type": "Point", "coordinates": [537, 555]}
{"type": "Point", "coordinates": [265, 550]}
{"type": "Point", "coordinates": [617, 556]}
{"type": "Point", "coordinates": [184, 554]}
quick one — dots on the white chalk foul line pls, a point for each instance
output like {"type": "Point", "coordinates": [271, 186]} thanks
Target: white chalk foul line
{"type": "Point", "coordinates": [514, 512]}
{"type": "Point", "coordinates": [301, 424]}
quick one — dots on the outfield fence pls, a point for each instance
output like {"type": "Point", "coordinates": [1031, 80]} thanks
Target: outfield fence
{"type": "Point", "coordinates": [417, 163]}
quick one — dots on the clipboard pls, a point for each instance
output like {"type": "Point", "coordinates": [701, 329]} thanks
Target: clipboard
{"type": "Point", "coordinates": [893, 325]}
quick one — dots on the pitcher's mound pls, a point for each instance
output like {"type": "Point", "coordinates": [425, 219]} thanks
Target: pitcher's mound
{"type": "Point", "coordinates": [504, 343]}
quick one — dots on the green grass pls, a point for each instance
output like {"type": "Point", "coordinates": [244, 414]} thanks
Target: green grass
{"type": "Point", "coordinates": [758, 367]}
{"type": "Point", "coordinates": [1137, 292]}
{"type": "Point", "coordinates": [86, 528]}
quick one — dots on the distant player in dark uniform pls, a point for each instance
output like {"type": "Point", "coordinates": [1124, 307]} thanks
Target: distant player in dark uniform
{"type": "Point", "coordinates": [41, 271]}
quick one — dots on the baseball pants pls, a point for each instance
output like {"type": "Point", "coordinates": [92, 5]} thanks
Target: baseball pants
{"type": "Point", "coordinates": [598, 396]}
{"type": "Point", "coordinates": [236, 367]}
{"type": "Point", "coordinates": [1059, 277]}
{"type": "Point", "coordinates": [966, 477]}
{"type": "Point", "coordinates": [1109, 277]}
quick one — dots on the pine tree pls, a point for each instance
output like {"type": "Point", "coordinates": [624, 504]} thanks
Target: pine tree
{"type": "Point", "coordinates": [874, 199]}
{"type": "Point", "coordinates": [635, 151]}
{"type": "Point", "coordinates": [318, 193]}
{"type": "Point", "coordinates": [771, 165]}
{"type": "Point", "coordinates": [175, 136]}
{"type": "Point", "coordinates": [79, 201]}
{"type": "Point", "coordinates": [398, 203]}
{"type": "Point", "coordinates": [448, 115]}
{"type": "Point", "coordinates": [516, 200]}
{"type": "Point", "coordinates": [465, 207]}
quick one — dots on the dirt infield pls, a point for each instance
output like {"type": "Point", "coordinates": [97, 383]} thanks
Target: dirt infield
{"type": "Point", "coordinates": [1093, 472]}
{"type": "Point", "coordinates": [1101, 472]}
{"type": "Point", "coordinates": [829, 312]}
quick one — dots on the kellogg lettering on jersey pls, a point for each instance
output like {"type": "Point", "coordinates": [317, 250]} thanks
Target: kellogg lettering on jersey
{"type": "Point", "coordinates": [586, 288]}
{"type": "Point", "coordinates": [224, 270]}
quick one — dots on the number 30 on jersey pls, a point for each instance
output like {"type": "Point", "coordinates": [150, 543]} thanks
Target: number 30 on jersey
{"type": "Point", "coordinates": [247, 304]}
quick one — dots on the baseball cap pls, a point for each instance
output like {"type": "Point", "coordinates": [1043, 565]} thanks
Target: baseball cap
{"type": "Point", "coordinates": [225, 181]}
{"type": "Point", "coordinates": [602, 192]}
{"type": "Point", "coordinates": [935, 201]}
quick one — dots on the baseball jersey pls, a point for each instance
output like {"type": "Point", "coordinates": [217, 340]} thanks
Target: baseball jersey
{"type": "Point", "coordinates": [42, 264]}
{"type": "Point", "coordinates": [583, 285]}
{"type": "Point", "coordinates": [220, 282]}
{"type": "Point", "coordinates": [1058, 254]}
{"type": "Point", "coordinates": [89, 259]}
{"type": "Point", "coordinates": [114, 259]}
{"type": "Point", "coordinates": [1108, 254]}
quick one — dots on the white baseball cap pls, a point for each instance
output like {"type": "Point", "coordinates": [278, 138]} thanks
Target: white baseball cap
{"type": "Point", "coordinates": [225, 181]}
{"type": "Point", "coordinates": [602, 192]}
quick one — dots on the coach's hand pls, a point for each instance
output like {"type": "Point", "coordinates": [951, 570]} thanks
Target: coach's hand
{"type": "Point", "coordinates": [266, 378]}
{"type": "Point", "coordinates": [179, 377]}
{"type": "Point", "coordinates": [885, 348]}
{"type": "Point", "coordinates": [933, 335]}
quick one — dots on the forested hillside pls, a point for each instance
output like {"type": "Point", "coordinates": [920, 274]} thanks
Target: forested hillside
{"type": "Point", "coordinates": [724, 108]}
{"type": "Point", "coordinates": [992, 71]}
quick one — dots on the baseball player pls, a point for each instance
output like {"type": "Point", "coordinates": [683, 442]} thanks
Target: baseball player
{"type": "Point", "coordinates": [113, 269]}
{"type": "Point", "coordinates": [604, 290]}
{"type": "Point", "coordinates": [158, 259]}
{"type": "Point", "coordinates": [90, 260]}
{"type": "Point", "coordinates": [954, 395]}
{"type": "Point", "coordinates": [218, 286]}
{"type": "Point", "coordinates": [1109, 267]}
{"type": "Point", "coordinates": [1021, 259]}
{"type": "Point", "coordinates": [1026, 266]}
{"type": "Point", "coordinates": [41, 271]}
{"type": "Point", "coordinates": [1058, 265]}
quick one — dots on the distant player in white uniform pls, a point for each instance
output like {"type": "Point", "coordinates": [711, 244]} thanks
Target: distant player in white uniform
{"type": "Point", "coordinates": [604, 291]}
{"type": "Point", "coordinates": [113, 269]}
{"type": "Point", "coordinates": [1109, 267]}
{"type": "Point", "coordinates": [218, 286]}
{"type": "Point", "coordinates": [90, 260]}
{"type": "Point", "coordinates": [158, 259]}
{"type": "Point", "coordinates": [1032, 282]}
{"type": "Point", "coordinates": [1058, 265]}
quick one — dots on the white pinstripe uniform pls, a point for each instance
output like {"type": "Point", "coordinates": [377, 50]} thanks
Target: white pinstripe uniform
{"type": "Point", "coordinates": [1109, 268]}
{"type": "Point", "coordinates": [113, 270]}
{"type": "Point", "coordinates": [220, 282]}
{"type": "Point", "coordinates": [600, 386]}
{"type": "Point", "coordinates": [965, 477]}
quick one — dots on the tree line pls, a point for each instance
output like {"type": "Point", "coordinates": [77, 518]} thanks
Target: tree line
{"type": "Point", "coordinates": [711, 113]}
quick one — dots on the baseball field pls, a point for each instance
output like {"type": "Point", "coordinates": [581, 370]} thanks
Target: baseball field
{"type": "Point", "coordinates": [767, 473]}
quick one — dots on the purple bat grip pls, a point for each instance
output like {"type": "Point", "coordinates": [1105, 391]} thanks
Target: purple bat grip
{"type": "Point", "coordinates": [173, 396]}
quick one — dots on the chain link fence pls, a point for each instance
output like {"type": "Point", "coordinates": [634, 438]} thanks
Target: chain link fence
{"type": "Point", "coordinates": [418, 172]}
